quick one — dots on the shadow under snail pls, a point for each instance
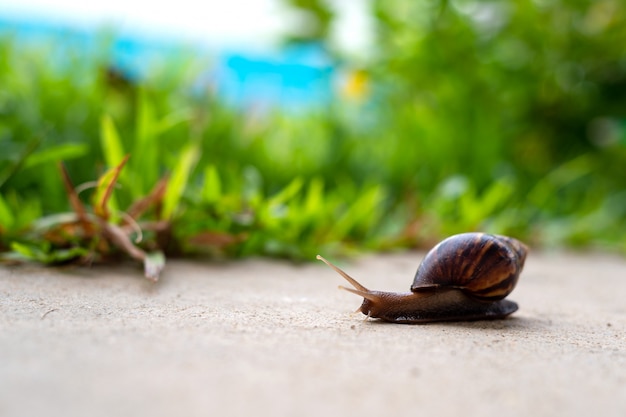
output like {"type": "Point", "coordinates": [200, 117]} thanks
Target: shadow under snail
{"type": "Point", "coordinates": [464, 277]}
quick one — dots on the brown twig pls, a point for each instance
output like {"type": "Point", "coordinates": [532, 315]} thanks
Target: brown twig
{"type": "Point", "coordinates": [77, 205]}
{"type": "Point", "coordinates": [43, 316]}
{"type": "Point", "coordinates": [101, 207]}
{"type": "Point", "coordinates": [155, 196]}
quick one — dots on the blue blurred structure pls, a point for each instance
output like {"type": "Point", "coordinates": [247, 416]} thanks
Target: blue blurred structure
{"type": "Point", "coordinates": [292, 78]}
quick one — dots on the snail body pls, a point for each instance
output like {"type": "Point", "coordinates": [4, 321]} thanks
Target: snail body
{"type": "Point", "coordinates": [464, 277]}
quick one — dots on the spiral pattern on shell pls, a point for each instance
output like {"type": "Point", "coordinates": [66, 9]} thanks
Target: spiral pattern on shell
{"type": "Point", "coordinates": [486, 267]}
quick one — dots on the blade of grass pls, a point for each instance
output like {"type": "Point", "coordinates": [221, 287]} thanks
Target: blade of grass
{"type": "Point", "coordinates": [11, 169]}
{"type": "Point", "coordinates": [106, 183]}
{"type": "Point", "coordinates": [145, 145]}
{"type": "Point", "coordinates": [61, 152]}
{"type": "Point", "coordinates": [7, 219]}
{"type": "Point", "coordinates": [45, 254]}
{"type": "Point", "coordinates": [286, 193]}
{"type": "Point", "coordinates": [212, 190]}
{"type": "Point", "coordinates": [110, 141]}
{"type": "Point", "coordinates": [314, 197]}
{"type": "Point", "coordinates": [178, 181]}
{"type": "Point", "coordinates": [363, 212]}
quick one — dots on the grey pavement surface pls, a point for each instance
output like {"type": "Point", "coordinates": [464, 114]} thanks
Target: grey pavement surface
{"type": "Point", "coordinates": [270, 338]}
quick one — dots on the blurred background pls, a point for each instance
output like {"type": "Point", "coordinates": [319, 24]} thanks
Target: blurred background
{"type": "Point", "coordinates": [288, 128]}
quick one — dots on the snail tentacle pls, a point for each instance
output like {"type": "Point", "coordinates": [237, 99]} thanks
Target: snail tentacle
{"type": "Point", "coordinates": [351, 280]}
{"type": "Point", "coordinates": [365, 294]}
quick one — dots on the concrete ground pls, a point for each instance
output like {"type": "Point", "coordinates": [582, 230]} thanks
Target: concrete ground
{"type": "Point", "coordinates": [270, 338]}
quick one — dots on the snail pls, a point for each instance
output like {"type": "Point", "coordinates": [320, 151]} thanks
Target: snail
{"type": "Point", "coordinates": [464, 277]}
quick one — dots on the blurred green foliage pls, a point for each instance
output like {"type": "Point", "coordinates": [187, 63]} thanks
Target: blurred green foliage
{"type": "Point", "coordinates": [507, 117]}
{"type": "Point", "coordinates": [496, 114]}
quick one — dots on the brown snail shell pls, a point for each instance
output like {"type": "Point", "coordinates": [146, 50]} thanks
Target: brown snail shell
{"type": "Point", "coordinates": [484, 266]}
{"type": "Point", "coordinates": [464, 277]}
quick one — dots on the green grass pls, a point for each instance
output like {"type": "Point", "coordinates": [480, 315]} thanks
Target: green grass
{"type": "Point", "coordinates": [441, 134]}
